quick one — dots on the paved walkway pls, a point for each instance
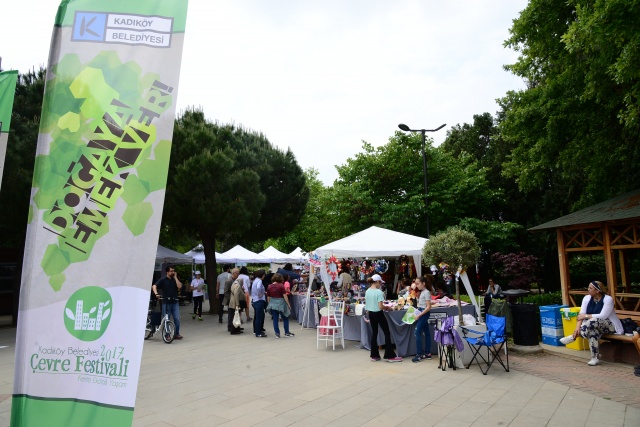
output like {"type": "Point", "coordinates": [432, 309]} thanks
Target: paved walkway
{"type": "Point", "coordinates": [213, 378]}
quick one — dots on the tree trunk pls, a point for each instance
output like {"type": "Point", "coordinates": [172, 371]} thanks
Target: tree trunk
{"type": "Point", "coordinates": [211, 265]}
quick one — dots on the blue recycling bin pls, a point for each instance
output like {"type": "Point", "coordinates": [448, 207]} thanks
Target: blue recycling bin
{"type": "Point", "coordinates": [551, 322]}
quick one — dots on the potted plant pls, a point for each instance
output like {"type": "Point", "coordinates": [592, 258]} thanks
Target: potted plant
{"type": "Point", "coordinates": [454, 246]}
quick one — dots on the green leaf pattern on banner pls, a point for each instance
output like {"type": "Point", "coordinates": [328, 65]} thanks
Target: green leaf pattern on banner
{"type": "Point", "coordinates": [99, 117]}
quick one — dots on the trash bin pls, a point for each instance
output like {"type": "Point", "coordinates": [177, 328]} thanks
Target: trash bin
{"type": "Point", "coordinates": [569, 321]}
{"type": "Point", "coordinates": [551, 323]}
{"type": "Point", "coordinates": [525, 324]}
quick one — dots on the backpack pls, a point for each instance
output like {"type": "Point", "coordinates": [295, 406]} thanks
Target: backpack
{"type": "Point", "coordinates": [629, 325]}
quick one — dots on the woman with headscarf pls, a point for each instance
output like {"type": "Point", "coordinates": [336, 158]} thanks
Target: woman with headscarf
{"type": "Point", "coordinates": [597, 317]}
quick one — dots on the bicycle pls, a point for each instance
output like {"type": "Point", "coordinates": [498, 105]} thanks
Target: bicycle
{"type": "Point", "coordinates": [167, 326]}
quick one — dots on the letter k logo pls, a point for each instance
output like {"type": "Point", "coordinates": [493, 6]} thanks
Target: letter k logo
{"type": "Point", "coordinates": [84, 27]}
{"type": "Point", "coordinates": [89, 26]}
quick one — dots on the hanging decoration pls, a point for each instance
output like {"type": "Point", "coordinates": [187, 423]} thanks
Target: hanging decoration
{"type": "Point", "coordinates": [332, 267]}
{"type": "Point", "coordinates": [403, 266]}
{"type": "Point", "coordinates": [367, 267]}
{"type": "Point", "coordinates": [315, 259]}
{"type": "Point", "coordinates": [444, 267]}
{"type": "Point", "coordinates": [381, 266]}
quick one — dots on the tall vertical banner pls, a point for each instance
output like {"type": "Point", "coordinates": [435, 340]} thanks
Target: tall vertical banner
{"type": "Point", "coordinates": [96, 206]}
{"type": "Point", "coordinates": [8, 81]}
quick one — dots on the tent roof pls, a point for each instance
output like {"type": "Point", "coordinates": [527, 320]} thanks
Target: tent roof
{"type": "Point", "coordinates": [240, 254]}
{"type": "Point", "coordinates": [169, 256]}
{"type": "Point", "coordinates": [622, 207]}
{"type": "Point", "coordinates": [198, 257]}
{"type": "Point", "coordinates": [298, 255]}
{"type": "Point", "coordinates": [374, 242]}
{"type": "Point", "coordinates": [275, 255]}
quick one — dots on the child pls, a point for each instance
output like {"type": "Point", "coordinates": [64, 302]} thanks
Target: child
{"type": "Point", "coordinates": [422, 322]}
{"type": "Point", "coordinates": [287, 284]}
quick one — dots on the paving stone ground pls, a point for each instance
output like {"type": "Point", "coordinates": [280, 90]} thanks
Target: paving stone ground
{"type": "Point", "coordinates": [612, 381]}
{"type": "Point", "coordinates": [212, 378]}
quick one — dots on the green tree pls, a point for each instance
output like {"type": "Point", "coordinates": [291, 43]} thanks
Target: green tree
{"type": "Point", "coordinates": [20, 158]}
{"type": "Point", "coordinates": [494, 236]}
{"type": "Point", "coordinates": [220, 180]}
{"type": "Point", "coordinates": [384, 186]}
{"type": "Point", "coordinates": [575, 127]}
{"type": "Point", "coordinates": [322, 221]}
{"type": "Point", "coordinates": [455, 247]}
{"type": "Point", "coordinates": [476, 139]}
{"type": "Point", "coordinates": [482, 141]}
{"type": "Point", "coordinates": [18, 169]}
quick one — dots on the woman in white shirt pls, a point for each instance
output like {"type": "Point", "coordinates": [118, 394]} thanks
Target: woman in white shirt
{"type": "Point", "coordinates": [597, 318]}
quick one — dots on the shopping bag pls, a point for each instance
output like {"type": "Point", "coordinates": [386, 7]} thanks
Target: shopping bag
{"type": "Point", "coordinates": [236, 319]}
{"type": "Point", "coordinates": [410, 316]}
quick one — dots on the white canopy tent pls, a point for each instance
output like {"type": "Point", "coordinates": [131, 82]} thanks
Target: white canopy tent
{"type": "Point", "coordinates": [197, 255]}
{"type": "Point", "coordinates": [276, 256]}
{"type": "Point", "coordinates": [375, 242]}
{"type": "Point", "coordinates": [238, 254]}
{"type": "Point", "coordinates": [298, 255]}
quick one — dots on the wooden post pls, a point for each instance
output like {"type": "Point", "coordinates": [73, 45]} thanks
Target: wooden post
{"type": "Point", "coordinates": [609, 261]}
{"type": "Point", "coordinates": [565, 282]}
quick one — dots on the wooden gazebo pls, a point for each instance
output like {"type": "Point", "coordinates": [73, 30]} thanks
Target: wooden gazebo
{"type": "Point", "coordinates": [613, 227]}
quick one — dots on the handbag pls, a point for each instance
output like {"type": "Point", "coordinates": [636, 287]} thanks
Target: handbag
{"type": "Point", "coordinates": [236, 319]}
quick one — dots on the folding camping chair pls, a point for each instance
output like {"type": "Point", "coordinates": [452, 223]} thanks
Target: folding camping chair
{"type": "Point", "coordinates": [493, 340]}
{"type": "Point", "coordinates": [448, 340]}
{"type": "Point", "coordinates": [330, 327]}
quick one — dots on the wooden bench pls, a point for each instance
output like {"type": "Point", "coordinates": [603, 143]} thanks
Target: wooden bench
{"type": "Point", "coordinates": [618, 352]}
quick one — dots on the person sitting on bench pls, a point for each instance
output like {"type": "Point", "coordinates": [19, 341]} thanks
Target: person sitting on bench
{"type": "Point", "coordinates": [597, 317]}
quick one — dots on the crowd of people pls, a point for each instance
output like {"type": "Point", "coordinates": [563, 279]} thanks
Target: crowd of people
{"type": "Point", "coordinates": [268, 293]}
{"type": "Point", "coordinates": [235, 289]}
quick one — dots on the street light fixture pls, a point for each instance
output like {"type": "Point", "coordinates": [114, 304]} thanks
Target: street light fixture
{"type": "Point", "coordinates": [424, 165]}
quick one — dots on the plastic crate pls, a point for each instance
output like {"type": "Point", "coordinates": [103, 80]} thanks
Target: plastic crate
{"type": "Point", "coordinates": [551, 324]}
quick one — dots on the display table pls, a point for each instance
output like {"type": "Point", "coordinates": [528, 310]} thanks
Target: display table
{"type": "Point", "coordinates": [402, 335]}
{"type": "Point", "coordinates": [351, 327]}
{"type": "Point", "coordinates": [312, 319]}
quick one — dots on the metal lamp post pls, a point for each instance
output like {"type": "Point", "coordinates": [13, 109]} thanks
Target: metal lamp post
{"type": "Point", "coordinates": [424, 165]}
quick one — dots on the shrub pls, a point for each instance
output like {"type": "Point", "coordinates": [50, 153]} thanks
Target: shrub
{"type": "Point", "coordinates": [518, 270]}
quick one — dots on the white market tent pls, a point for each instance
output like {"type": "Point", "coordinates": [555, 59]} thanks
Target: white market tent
{"type": "Point", "coordinates": [197, 255]}
{"type": "Point", "coordinates": [238, 254]}
{"type": "Point", "coordinates": [374, 242]}
{"type": "Point", "coordinates": [298, 255]}
{"type": "Point", "coordinates": [276, 256]}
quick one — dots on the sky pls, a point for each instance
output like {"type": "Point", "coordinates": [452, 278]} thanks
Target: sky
{"type": "Point", "coordinates": [321, 76]}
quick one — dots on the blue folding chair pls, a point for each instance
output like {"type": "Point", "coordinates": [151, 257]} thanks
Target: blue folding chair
{"type": "Point", "coordinates": [493, 339]}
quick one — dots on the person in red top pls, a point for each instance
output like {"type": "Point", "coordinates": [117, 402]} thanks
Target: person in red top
{"type": "Point", "coordinates": [279, 304]}
{"type": "Point", "coordinates": [287, 284]}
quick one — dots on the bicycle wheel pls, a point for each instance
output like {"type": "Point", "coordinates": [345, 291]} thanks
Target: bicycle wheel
{"type": "Point", "coordinates": [168, 332]}
{"type": "Point", "coordinates": [148, 331]}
